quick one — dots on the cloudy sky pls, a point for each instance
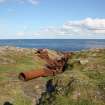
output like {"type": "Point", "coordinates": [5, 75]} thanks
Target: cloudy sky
{"type": "Point", "coordinates": [68, 19]}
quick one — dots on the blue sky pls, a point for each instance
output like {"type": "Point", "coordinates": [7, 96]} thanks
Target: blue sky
{"type": "Point", "coordinates": [52, 19]}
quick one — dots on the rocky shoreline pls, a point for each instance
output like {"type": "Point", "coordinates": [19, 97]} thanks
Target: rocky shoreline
{"type": "Point", "coordinates": [82, 82]}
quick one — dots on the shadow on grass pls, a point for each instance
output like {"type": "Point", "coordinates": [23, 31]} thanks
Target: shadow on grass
{"type": "Point", "coordinates": [7, 103]}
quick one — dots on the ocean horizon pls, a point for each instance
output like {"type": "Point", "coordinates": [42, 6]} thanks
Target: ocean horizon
{"type": "Point", "coordinates": [55, 44]}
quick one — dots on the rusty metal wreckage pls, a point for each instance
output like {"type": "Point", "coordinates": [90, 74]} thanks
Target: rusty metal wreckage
{"type": "Point", "coordinates": [52, 67]}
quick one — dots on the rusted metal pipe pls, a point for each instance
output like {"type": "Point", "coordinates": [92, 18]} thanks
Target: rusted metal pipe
{"type": "Point", "coordinates": [31, 74]}
{"type": "Point", "coordinates": [28, 75]}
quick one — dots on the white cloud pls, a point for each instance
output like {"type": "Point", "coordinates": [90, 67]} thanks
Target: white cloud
{"type": "Point", "coordinates": [34, 2]}
{"type": "Point", "coordinates": [20, 33]}
{"type": "Point", "coordinates": [84, 27]}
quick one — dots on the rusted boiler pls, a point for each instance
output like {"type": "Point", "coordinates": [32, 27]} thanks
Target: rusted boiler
{"type": "Point", "coordinates": [52, 67]}
{"type": "Point", "coordinates": [43, 54]}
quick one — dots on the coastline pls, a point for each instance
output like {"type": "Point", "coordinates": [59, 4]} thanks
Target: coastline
{"type": "Point", "coordinates": [85, 69]}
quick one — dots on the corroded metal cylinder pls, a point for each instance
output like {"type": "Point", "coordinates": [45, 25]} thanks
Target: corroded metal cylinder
{"type": "Point", "coordinates": [28, 75]}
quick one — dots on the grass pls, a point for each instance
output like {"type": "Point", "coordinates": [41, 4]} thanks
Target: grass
{"type": "Point", "coordinates": [10, 87]}
{"type": "Point", "coordinates": [23, 63]}
{"type": "Point", "coordinates": [21, 100]}
{"type": "Point", "coordinates": [88, 87]}
{"type": "Point", "coordinates": [80, 84]}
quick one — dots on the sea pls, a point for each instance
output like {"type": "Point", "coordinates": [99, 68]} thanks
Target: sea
{"type": "Point", "coordinates": [55, 44]}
